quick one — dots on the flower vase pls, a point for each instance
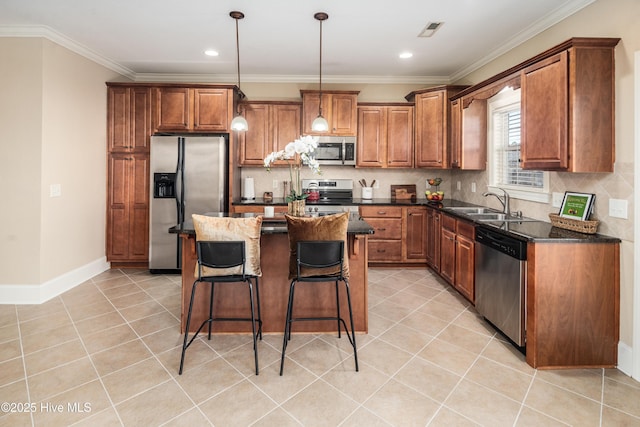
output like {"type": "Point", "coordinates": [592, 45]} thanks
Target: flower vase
{"type": "Point", "coordinates": [296, 208]}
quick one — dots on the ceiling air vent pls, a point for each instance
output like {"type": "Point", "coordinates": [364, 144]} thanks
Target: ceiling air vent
{"type": "Point", "coordinates": [430, 29]}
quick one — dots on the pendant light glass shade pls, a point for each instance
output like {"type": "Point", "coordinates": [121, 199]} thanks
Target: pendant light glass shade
{"type": "Point", "coordinates": [320, 124]}
{"type": "Point", "coordinates": [238, 123]}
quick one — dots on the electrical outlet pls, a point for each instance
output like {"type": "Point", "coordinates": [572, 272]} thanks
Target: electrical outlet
{"type": "Point", "coordinates": [458, 186]}
{"type": "Point", "coordinates": [618, 208]}
{"type": "Point", "coordinates": [557, 199]}
{"type": "Point", "coordinates": [473, 187]}
{"type": "Point", "coordinates": [275, 183]}
{"type": "Point", "coordinates": [55, 190]}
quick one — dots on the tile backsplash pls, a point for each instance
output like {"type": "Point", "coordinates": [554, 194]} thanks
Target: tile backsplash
{"type": "Point", "coordinates": [616, 185]}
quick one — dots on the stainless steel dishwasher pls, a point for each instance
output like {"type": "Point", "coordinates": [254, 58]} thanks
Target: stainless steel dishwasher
{"type": "Point", "coordinates": [501, 273]}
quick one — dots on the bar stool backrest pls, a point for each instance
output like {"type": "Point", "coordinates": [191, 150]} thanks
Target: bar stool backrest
{"type": "Point", "coordinates": [321, 255]}
{"type": "Point", "coordinates": [220, 256]}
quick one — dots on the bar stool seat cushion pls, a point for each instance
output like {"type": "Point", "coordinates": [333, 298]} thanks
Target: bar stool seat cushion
{"type": "Point", "coordinates": [329, 227]}
{"type": "Point", "coordinates": [230, 229]}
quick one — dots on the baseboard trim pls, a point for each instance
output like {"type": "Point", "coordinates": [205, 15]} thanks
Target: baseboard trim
{"type": "Point", "coordinates": [37, 294]}
{"type": "Point", "coordinates": [625, 358]}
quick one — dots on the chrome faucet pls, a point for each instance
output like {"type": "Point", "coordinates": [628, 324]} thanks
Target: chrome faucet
{"type": "Point", "coordinates": [504, 200]}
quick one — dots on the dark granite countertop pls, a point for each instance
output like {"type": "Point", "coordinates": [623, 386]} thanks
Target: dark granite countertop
{"type": "Point", "coordinates": [275, 225]}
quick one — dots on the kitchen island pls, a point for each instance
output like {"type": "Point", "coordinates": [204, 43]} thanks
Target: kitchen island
{"type": "Point", "coordinates": [316, 301]}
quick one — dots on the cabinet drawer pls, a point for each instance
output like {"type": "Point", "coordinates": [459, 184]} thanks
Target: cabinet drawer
{"type": "Point", "coordinates": [381, 211]}
{"type": "Point", "coordinates": [385, 228]}
{"type": "Point", "coordinates": [466, 229]}
{"type": "Point", "coordinates": [449, 222]}
{"type": "Point", "coordinates": [385, 250]}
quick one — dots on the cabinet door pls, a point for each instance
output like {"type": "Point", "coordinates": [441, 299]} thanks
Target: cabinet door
{"type": "Point", "coordinates": [140, 119]}
{"type": "Point", "coordinates": [343, 114]}
{"type": "Point", "coordinates": [255, 143]}
{"type": "Point", "coordinates": [128, 208]}
{"type": "Point", "coordinates": [464, 274]}
{"type": "Point", "coordinates": [448, 255]}
{"type": "Point", "coordinates": [212, 108]}
{"type": "Point", "coordinates": [400, 137]}
{"type": "Point", "coordinates": [118, 123]}
{"type": "Point", "coordinates": [545, 109]}
{"type": "Point", "coordinates": [430, 130]}
{"type": "Point", "coordinates": [172, 109]}
{"type": "Point", "coordinates": [433, 238]}
{"type": "Point", "coordinates": [416, 234]}
{"type": "Point", "coordinates": [472, 149]}
{"type": "Point", "coordinates": [372, 141]}
{"type": "Point", "coordinates": [455, 141]}
{"type": "Point", "coordinates": [285, 124]}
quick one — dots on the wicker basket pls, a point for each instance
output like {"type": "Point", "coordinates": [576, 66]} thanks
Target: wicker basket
{"type": "Point", "coordinates": [588, 227]}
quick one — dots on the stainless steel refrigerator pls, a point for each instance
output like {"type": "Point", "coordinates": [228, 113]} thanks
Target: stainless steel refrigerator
{"type": "Point", "coordinates": [188, 175]}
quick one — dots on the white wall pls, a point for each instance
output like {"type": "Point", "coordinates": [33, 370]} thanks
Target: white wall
{"type": "Point", "coordinates": [53, 121]}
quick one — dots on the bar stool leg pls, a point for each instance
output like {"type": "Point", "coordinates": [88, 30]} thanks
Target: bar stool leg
{"type": "Point", "coordinates": [210, 321]}
{"type": "Point", "coordinates": [287, 325]}
{"type": "Point", "coordinates": [186, 331]}
{"type": "Point", "coordinates": [338, 307]}
{"type": "Point", "coordinates": [353, 333]}
{"type": "Point", "coordinates": [259, 313]}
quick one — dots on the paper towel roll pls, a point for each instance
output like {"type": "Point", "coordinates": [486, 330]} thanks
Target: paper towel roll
{"type": "Point", "coordinates": [248, 190]}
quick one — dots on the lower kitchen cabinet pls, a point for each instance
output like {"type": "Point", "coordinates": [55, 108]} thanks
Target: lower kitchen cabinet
{"type": "Point", "coordinates": [257, 209]}
{"type": "Point", "coordinates": [399, 234]}
{"type": "Point", "coordinates": [434, 218]}
{"type": "Point", "coordinates": [128, 209]}
{"type": "Point", "coordinates": [457, 255]}
{"type": "Point", "coordinates": [573, 304]}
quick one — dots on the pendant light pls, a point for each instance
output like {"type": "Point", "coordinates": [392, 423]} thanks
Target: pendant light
{"type": "Point", "coordinates": [320, 123]}
{"type": "Point", "coordinates": [238, 123]}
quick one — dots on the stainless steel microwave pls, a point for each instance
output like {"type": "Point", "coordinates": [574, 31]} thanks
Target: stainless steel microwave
{"type": "Point", "coordinates": [336, 150]}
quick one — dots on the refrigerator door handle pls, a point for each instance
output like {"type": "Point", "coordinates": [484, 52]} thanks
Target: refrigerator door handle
{"type": "Point", "coordinates": [180, 182]}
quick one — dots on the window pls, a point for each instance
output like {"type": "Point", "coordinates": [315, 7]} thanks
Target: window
{"type": "Point", "coordinates": [504, 153]}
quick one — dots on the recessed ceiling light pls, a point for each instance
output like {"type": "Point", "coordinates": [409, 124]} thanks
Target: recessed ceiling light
{"type": "Point", "coordinates": [211, 52]}
{"type": "Point", "coordinates": [405, 55]}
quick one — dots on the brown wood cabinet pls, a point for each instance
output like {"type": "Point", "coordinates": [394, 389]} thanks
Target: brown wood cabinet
{"type": "Point", "coordinates": [128, 119]}
{"type": "Point", "coordinates": [468, 144]}
{"type": "Point", "coordinates": [573, 304]}
{"type": "Point", "coordinates": [272, 125]}
{"type": "Point", "coordinates": [193, 109]}
{"type": "Point", "coordinates": [457, 263]}
{"type": "Point", "coordinates": [434, 228]}
{"type": "Point", "coordinates": [338, 107]}
{"type": "Point", "coordinates": [128, 209]}
{"type": "Point", "coordinates": [385, 135]}
{"type": "Point", "coordinates": [567, 109]}
{"type": "Point", "coordinates": [399, 234]}
{"type": "Point", "coordinates": [129, 113]}
{"type": "Point", "coordinates": [258, 209]}
{"type": "Point", "coordinates": [432, 135]}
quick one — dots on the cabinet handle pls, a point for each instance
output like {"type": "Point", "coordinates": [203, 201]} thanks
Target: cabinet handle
{"type": "Point", "coordinates": [381, 250]}
{"type": "Point", "coordinates": [382, 212]}
{"type": "Point", "coordinates": [382, 229]}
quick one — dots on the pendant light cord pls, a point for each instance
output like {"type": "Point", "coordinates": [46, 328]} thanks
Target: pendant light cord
{"type": "Point", "coordinates": [320, 107]}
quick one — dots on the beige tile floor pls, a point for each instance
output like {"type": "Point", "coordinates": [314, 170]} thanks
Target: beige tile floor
{"type": "Point", "coordinates": [107, 353]}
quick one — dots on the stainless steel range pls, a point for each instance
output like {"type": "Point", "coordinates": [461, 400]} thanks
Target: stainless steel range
{"type": "Point", "coordinates": [330, 196]}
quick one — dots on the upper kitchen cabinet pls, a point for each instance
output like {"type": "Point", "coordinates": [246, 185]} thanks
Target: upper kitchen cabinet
{"type": "Point", "coordinates": [128, 119]}
{"type": "Point", "coordinates": [338, 107]}
{"type": "Point", "coordinates": [272, 125]}
{"type": "Point", "coordinates": [468, 144]}
{"type": "Point", "coordinates": [432, 134]}
{"type": "Point", "coordinates": [568, 108]}
{"type": "Point", "coordinates": [385, 135]}
{"type": "Point", "coordinates": [198, 108]}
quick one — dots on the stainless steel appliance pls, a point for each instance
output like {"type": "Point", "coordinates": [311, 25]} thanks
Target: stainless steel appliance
{"type": "Point", "coordinates": [188, 175]}
{"type": "Point", "coordinates": [333, 196]}
{"type": "Point", "coordinates": [500, 283]}
{"type": "Point", "coordinates": [336, 150]}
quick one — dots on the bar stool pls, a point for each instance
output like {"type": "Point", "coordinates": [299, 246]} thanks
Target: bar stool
{"type": "Point", "coordinates": [320, 260]}
{"type": "Point", "coordinates": [226, 261]}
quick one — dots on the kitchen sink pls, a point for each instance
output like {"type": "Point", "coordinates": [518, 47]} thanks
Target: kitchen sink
{"type": "Point", "coordinates": [497, 216]}
{"type": "Point", "coordinates": [472, 210]}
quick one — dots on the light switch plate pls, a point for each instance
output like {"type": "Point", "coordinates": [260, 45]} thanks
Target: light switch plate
{"type": "Point", "coordinates": [557, 199]}
{"type": "Point", "coordinates": [458, 186]}
{"type": "Point", "coordinates": [618, 208]}
{"type": "Point", "coordinates": [55, 190]}
{"type": "Point", "coordinates": [275, 184]}
{"type": "Point", "coordinates": [473, 187]}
